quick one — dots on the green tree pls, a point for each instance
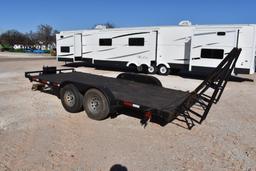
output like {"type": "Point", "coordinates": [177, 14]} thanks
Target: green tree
{"type": "Point", "coordinates": [12, 37]}
{"type": "Point", "coordinates": [46, 35]}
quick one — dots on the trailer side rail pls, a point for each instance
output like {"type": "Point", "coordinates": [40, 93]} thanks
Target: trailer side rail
{"type": "Point", "coordinates": [32, 75]}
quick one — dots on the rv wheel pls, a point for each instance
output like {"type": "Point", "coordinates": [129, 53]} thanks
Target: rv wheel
{"type": "Point", "coordinates": [133, 68]}
{"type": "Point", "coordinates": [71, 98]}
{"type": "Point", "coordinates": [96, 105]}
{"type": "Point", "coordinates": [163, 70]}
{"type": "Point", "coordinates": [152, 69]}
{"type": "Point", "coordinates": [140, 68]}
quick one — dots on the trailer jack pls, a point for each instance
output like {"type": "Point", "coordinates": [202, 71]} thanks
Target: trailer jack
{"type": "Point", "coordinates": [147, 117]}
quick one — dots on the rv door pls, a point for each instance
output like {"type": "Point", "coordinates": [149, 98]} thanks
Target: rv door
{"type": "Point", "coordinates": [77, 47]}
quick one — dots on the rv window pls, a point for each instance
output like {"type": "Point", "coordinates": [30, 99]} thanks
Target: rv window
{"type": "Point", "coordinates": [105, 42]}
{"type": "Point", "coordinates": [212, 53]}
{"type": "Point", "coordinates": [221, 33]}
{"type": "Point", "coordinates": [65, 49]}
{"type": "Point", "coordinates": [136, 41]}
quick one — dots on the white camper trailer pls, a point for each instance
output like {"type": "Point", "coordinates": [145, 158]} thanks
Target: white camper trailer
{"type": "Point", "coordinates": [190, 47]}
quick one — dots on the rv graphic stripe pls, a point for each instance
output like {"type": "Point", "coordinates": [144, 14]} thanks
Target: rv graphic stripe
{"type": "Point", "coordinates": [129, 55]}
{"type": "Point", "coordinates": [202, 34]}
{"type": "Point", "coordinates": [87, 52]}
{"type": "Point", "coordinates": [65, 37]}
{"type": "Point", "coordinates": [209, 44]}
{"type": "Point", "coordinates": [184, 38]}
{"type": "Point", "coordinates": [131, 34]}
{"type": "Point", "coordinates": [87, 35]}
{"type": "Point", "coordinates": [67, 54]}
{"type": "Point", "coordinates": [106, 49]}
{"type": "Point", "coordinates": [197, 46]}
{"type": "Point", "coordinates": [212, 43]}
{"type": "Point", "coordinates": [181, 59]}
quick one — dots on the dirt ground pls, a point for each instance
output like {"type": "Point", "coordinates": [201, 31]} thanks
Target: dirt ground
{"type": "Point", "coordinates": [36, 133]}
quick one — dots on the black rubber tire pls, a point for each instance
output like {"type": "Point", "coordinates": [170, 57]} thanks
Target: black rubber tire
{"type": "Point", "coordinates": [71, 98]}
{"type": "Point", "coordinates": [96, 104]}
{"type": "Point", "coordinates": [152, 70]}
{"type": "Point", "coordinates": [133, 68]}
{"type": "Point", "coordinates": [140, 68]}
{"type": "Point", "coordinates": [163, 70]}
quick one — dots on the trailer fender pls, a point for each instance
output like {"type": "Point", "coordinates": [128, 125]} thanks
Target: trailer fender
{"type": "Point", "coordinates": [145, 79]}
{"type": "Point", "coordinates": [78, 86]}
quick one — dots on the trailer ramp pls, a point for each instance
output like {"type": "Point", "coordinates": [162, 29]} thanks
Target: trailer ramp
{"type": "Point", "coordinates": [209, 91]}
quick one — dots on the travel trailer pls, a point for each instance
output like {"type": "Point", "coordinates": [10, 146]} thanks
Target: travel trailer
{"type": "Point", "coordinates": [160, 49]}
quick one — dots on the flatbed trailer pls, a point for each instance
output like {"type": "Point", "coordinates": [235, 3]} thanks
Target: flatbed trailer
{"type": "Point", "coordinates": [99, 95]}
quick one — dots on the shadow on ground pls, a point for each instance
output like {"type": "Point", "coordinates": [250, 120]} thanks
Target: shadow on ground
{"type": "Point", "coordinates": [118, 167]}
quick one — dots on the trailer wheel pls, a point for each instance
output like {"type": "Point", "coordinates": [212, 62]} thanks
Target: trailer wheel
{"type": "Point", "coordinates": [96, 104]}
{"type": "Point", "coordinates": [163, 70]}
{"type": "Point", "coordinates": [71, 99]}
{"type": "Point", "coordinates": [152, 69]}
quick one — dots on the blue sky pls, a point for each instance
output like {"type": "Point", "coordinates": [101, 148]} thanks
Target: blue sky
{"type": "Point", "coordinates": [25, 15]}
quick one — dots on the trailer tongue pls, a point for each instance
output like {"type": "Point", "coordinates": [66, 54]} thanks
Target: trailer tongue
{"type": "Point", "coordinates": [99, 95]}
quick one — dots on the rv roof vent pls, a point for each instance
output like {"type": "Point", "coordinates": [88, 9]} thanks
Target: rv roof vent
{"type": "Point", "coordinates": [100, 27]}
{"type": "Point", "coordinates": [185, 23]}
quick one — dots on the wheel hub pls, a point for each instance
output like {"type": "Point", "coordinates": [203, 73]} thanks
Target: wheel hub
{"type": "Point", "coordinates": [163, 70]}
{"type": "Point", "coordinates": [151, 69]}
{"type": "Point", "coordinates": [69, 98]}
{"type": "Point", "coordinates": [95, 104]}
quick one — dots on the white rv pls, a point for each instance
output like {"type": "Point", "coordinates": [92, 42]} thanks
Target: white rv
{"type": "Point", "coordinates": [160, 49]}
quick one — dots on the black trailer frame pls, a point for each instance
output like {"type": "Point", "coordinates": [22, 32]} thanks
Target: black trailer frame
{"type": "Point", "coordinates": [145, 93]}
